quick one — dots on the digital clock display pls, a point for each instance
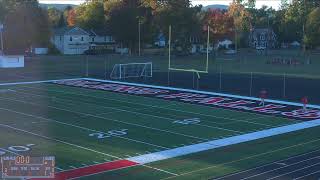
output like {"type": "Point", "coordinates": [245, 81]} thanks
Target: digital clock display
{"type": "Point", "coordinates": [27, 167]}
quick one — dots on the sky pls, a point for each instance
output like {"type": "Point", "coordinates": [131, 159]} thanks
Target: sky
{"type": "Point", "coordinates": [274, 3]}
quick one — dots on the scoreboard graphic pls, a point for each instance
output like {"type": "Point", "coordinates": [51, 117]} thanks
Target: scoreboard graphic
{"type": "Point", "coordinates": [27, 167]}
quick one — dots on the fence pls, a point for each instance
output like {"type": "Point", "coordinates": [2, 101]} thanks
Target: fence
{"type": "Point", "coordinates": [232, 75]}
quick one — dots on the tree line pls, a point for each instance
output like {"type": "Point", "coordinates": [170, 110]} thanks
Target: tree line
{"type": "Point", "coordinates": [28, 24]}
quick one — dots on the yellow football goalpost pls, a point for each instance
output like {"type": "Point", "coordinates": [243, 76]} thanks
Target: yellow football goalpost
{"type": "Point", "coordinates": [206, 69]}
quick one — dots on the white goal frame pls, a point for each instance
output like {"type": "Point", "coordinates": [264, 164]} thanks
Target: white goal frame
{"type": "Point", "coordinates": [119, 71]}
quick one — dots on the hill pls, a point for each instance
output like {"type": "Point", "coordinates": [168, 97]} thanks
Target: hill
{"type": "Point", "coordinates": [61, 7]}
{"type": "Point", "coordinates": [215, 6]}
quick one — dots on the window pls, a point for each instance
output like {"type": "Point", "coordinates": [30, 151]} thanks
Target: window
{"type": "Point", "coordinates": [70, 38]}
{"type": "Point", "coordinates": [82, 39]}
{"type": "Point", "coordinates": [93, 39]}
{"type": "Point", "coordinates": [60, 38]}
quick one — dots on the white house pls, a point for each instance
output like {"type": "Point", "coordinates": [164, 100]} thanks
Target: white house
{"type": "Point", "coordinates": [75, 40]}
{"type": "Point", "coordinates": [226, 43]}
{"type": "Point", "coordinates": [160, 40]}
{"type": "Point", "coordinates": [262, 39]}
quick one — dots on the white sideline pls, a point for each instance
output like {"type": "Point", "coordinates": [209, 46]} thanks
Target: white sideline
{"type": "Point", "coordinates": [162, 155]}
{"type": "Point", "coordinates": [204, 92]}
{"type": "Point", "coordinates": [37, 82]}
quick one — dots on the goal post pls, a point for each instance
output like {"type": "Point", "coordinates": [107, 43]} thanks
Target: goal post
{"type": "Point", "coordinates": [131, 70]}
{"type": "Point", "coordinates": [203, 70]}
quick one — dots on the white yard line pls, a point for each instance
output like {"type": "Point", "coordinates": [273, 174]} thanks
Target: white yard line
{"type": "Point", "coordinates": [248, 157]}
{"type": "Point", "coordinates": [275, 169]}
{"type": "Point", "coordinates": [80, 127]}
{"type": "Point", "coordinates": [166, 108]}
{"type": "Point", "coordinates": [204, 92]}
{"type": "Point", "coordinates": [60, 169]}
{"type": "Point", "coordinates": [8, 151]}
{"type": "Point", "coordinates": [301, 177]}
{"type": "Point", "coordinates": [37, 82]}
{"type": "Point", "coordinates": [293, 171]}
{"type": "Point", "coordinates": [110, 119]}
{"type": "Point", "coordinates": [174, 174]}
{"type": "Point", "coordinates": [72, 102]}
{"type": "Point", "coordinates": [265, 165]}
{"type": "Point", "coordinates": [162, 155]}
{"type": "Point", "coordinates": [60, 141]}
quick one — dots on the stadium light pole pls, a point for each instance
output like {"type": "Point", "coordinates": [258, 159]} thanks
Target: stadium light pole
{"type": "Point", "coordinates": [303, 26]}
{"type": "Point", "coordinates": [169, 55]}
{"type": "Point", "coordinates": [208, 44]}
{"type": "Point", "coordinates": [1, 36]}
{"type": "Point", "coordinates": [169, 43]}
{"type": "Point", "coordinates": [139, 36]}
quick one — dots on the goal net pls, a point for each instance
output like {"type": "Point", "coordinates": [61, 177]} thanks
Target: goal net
{"type": "Point", "coordinates": [131, 70]}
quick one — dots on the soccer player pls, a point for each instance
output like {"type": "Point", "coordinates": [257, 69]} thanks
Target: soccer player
{"type": "Point", "coordinates": [304, 101]}
{"type": "Point", "coordinates": [263, 96]}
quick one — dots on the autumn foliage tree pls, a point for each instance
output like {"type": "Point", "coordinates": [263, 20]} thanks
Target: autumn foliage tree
{"type": "Point", "coordinates": [26, 25]}
{"type": "Point", "coordinates": [71, 17]}
{"type": "Point", "coordinates": [220, 23]}
{"type": "Point", "coordinates": [241, 20]}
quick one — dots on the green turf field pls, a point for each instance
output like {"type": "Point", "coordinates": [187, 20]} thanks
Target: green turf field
{"type": "Point", "coordinates": [78, 127]}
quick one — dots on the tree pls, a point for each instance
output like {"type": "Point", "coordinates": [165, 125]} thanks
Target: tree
{"type": "Point", "coordinates": [241, 19]}
{"type": "Point", "coordinates": [251, 4]}
{"type": "Point", "coordinates": [62, 22]}
{"type": "Point", "coordinates": [71, 18]}
{"type": "Point", "coordinates": [27, 25]}
{"type": "Point", "coordinates": [284, 4]}
{"type": "Point", "coordinates": [123, 21]}
{"type": "Point", "coordinates": [312, 37]}
{"type": "Point", "coordinates": [54, 16]}
{"type": "Point", "coordinates": [220, 23]}
{"type": "Point", "coordinates": [90, 15]}
{"type": "Point", "coordinates": [6, 6]}
{"type": "Point", "coordinates": [184, 19]}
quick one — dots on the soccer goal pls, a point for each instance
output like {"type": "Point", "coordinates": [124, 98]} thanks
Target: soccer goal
{"type": "Point", "coordinates": [131, 70]}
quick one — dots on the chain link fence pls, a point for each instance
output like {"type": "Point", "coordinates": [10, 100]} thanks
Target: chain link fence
{"type": "Point", "coordinates": [227, 74]}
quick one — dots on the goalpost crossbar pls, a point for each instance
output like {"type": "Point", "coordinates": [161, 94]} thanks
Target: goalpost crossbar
{"type": "Point", "coordinates": [189, 70]}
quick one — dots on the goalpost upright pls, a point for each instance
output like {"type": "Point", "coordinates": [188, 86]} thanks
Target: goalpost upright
{"type": "Point", "coordinates": [206, 69]}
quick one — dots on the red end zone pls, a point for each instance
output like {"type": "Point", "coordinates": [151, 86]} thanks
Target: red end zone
{"type": "Point", "coordinates": [90, 170]}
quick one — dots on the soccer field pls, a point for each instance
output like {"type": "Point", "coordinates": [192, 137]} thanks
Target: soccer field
{"type": "Point", "coordinates": [139, 132]}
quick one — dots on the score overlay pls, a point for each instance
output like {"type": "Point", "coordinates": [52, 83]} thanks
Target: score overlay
{"type": "Point", "coordinates": [27, 167]}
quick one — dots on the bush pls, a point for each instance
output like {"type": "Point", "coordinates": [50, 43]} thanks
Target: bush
{"type": "Point", "coordinates": [53, 50]}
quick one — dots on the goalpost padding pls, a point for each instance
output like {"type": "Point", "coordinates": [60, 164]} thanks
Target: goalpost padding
{"type": "Point", "coordinates": [131, 70]}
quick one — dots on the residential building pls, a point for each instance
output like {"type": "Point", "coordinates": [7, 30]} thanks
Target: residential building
{"type": "Point", "coordinates": [75, 40]}
{"type": "Point", "coordinates": [262, 38]}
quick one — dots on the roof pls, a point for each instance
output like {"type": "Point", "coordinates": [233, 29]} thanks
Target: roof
{"type": "Point", "coordinates": [80, 31]}
{"type": "Point", "coordinates": [70, 31]}
{"type": "Point", "coordinates": [261, 30]}
{"type": "Point", "coordinates": [100, 32]}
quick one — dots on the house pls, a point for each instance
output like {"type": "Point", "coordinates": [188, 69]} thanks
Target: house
{"type": "Point", "coordinates": [262, 38]}
{"type": "Point", "coordinates": [226, 44]}
{"type": "Point", "coordinates": [75, 40]}
{"type": "Point", "coordinates": [160, 40]}
{"type": "Point", "coordinates": [295, 45]}
{"type": "Point", "coordinates": [101, 40]}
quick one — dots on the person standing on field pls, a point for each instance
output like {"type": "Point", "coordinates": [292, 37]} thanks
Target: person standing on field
{"type": "Point", "coordinates": [263, 96]}
{"type": "Point", "coordinates": [304, 101]}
